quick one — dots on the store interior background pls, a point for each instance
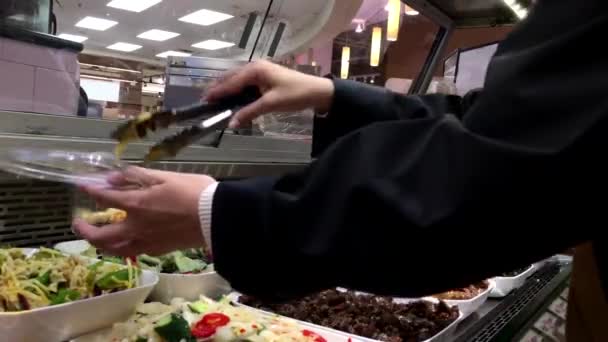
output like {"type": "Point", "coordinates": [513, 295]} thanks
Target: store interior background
{"type": "Point", "coordinates": [138, 77]}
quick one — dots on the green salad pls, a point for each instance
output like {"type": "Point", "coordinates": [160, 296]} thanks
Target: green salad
{"type": "Point", "coordinates": [188, 261]}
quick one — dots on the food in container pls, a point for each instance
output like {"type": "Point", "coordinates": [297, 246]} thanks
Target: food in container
{"type": "Point", "coordinates": [48, 277]}
{"type": "Point", "coordinates": [61, 322]}
{"type": "Point", "coordinates": [516, 272]}
{"type": "Point", "coordinates": [204, 320]}
{"type": "Point", "coordinates": [101, 218]}
{"type": "Point", "coordinates": [373, 317]}
{"type": "Point", "coordinates": [464, 293]}
{"type": "Point", "coordinates": [184, 274]}
{"type": "Point", "coordinates": [468, 299]}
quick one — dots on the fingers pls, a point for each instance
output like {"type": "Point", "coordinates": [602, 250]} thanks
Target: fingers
{"type": "Point", "coordinates": [250, 112]}
{"type": "Point", "coordinates": [102, 237]}
{"type": "Point", "coordinates": [234, 82]}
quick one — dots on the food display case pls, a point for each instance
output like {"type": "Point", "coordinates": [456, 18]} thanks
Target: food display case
{"type": "Point", "coordinates": [35, 213]}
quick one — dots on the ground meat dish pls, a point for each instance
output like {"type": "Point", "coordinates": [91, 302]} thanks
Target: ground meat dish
{"type": "Point", "coordinates": [365, 315]}
{"type": "Point", "coordinates": [465, 293]}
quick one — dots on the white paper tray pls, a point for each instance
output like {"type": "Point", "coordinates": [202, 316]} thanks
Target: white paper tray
{"type": "Point", "coordinates": [189, 287]}
{"type": "Point", "coordinates": [469, 306]}
{"type": "Point", "coordinates": [104, 335]}
{"type": "Point", "coordinates": [504, 285]}
{"type": "Point", "coordinates": [63, 322]}
{"type": "Point", "coordinates": [186, 286]}
{"type": "Point", "coordinates": [443, 336]}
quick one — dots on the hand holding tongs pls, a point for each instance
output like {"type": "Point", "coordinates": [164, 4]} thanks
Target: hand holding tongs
{"type": "Point", "coordinates": [215, 116]}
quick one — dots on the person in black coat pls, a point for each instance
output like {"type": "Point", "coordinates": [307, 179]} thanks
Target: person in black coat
{"type": "Point", "coordinates": [404, 198]}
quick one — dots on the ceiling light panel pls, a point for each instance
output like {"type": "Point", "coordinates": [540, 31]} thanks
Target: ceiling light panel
{"type": "Point", "coordinates": [174, 54]}
{"type": "Point", "coordinates": [97, 24]}
{"type": "Point", "coordinates": [133, 5]}
{"type": "Point", "coordinates": [72, 37]}
{"type": "Point", "coordinates": [158, 35]}
{"type": "Point", "coordinates": [125, 47]}
{"type": "Point", "coordinates": [205, 17]}
{"type": "Point", "coordinates": [213, 44]}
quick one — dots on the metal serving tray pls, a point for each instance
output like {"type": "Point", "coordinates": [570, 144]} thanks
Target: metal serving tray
{"type": "Point", "coordinates": [443, 336]}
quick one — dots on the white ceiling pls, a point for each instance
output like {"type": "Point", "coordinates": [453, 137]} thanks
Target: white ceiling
{"type": "Point", "coordinates": [300, 16]}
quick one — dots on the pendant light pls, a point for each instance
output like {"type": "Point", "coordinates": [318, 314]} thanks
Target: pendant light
{"type": "Point", "coordinates": [345, 62]}
{"type": "Point", "coordinates": [410, 11]}
{"type": "Point", "coordinates": [376, 46]}
{"type": "Point", "coordinates": [394, 17]}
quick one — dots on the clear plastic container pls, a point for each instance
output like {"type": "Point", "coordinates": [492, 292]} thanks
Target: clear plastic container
{"type": "Point", "coordinates": [71, 167]}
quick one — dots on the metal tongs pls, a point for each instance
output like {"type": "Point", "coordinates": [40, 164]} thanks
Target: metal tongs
{"type": "Point", "coordinates": [215, 117]}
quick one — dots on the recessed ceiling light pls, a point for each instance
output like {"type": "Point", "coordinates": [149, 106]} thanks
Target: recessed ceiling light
{"type": "Point", "coordinates": [158, 35]}
{"type": "Point", "coordinates": [126, 47]}
{"type": "Point", "coordinates": [133, 5]}
{"type": "Point", "coordinates": [213, 44]}
{"type": "Point", "coordinates": [72, 37]}
{"type": "Point", "coordinates": [205, 17]}
{"type": "Point", "coordinates": [174, 54]}
{"type": "Point", "coordinates": [96, 23]}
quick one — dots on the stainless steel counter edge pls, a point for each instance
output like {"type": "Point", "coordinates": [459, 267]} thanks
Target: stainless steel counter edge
{"type": "Point", "coordinates": [44, 125]}
{"type": "Point", "coordinates": [239, 152]}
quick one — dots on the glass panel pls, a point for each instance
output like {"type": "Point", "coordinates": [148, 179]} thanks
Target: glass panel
{"type": "Point", "coordinates": [28, 14]}
{"type": "Point", "coordinates": [463, 66]}
{"type": "Point", "coordinates": [398, 62]}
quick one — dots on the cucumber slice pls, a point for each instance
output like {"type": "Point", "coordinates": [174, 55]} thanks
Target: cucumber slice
{"type": "Point", "coordinates": [199, 307]}
{"type": "Point", "coordinates": [174, 328]}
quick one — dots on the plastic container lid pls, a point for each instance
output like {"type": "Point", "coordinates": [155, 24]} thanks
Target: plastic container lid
{"type": "Point", "coordinates": [73, 167]}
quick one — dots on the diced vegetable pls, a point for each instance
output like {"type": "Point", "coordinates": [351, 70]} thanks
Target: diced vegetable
{"type": "Point", "coordinates": [149, 260]}
{"type": "Point", "coordinates": [64, 296]}
{"type": "Point", "coordinates": [174, 328]}
{"type": "Point", "coordinates": [113, 260]}
{"type": "Point", "coordinates": [113, 280]}
{"type": "Point", "coordinates": [199, 307]}
{"type": "Point", "coordinates": [186, 265]}
{"type": "Point", "coordinates": [46, 253]}
{"type": "Point", "coordinates": [45, 278]}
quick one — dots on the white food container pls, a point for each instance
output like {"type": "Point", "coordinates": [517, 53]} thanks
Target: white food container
{"type": "Point", "coordinates": [504, 285]}
{"type": "Point", "coordinates": [469, 306]}
{"type": "Point", "coordinates": [187, 286]}
{"type": "Point", "coordinates": [443, 336]}
{"type": "Point", "coordinates": [66, 321]}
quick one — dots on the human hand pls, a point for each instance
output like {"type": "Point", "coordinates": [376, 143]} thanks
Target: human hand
{"type": "Point", "coordinates": [161, 217]}
{"type": "Point", "coordinates": [282, 89]}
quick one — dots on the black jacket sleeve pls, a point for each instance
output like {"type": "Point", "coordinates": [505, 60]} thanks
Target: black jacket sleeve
{"type": "Point", "coordinates": [414, 207]}
{"type": "Point", "coordinates": [357, 105]}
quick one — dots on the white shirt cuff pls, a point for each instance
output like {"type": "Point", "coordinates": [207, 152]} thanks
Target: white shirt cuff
{"type": "Point", "coordinates": [205, 205]}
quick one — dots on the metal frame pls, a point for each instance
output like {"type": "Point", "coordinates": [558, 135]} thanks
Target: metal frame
{"type": "Point", "coordinates": [446, 28]}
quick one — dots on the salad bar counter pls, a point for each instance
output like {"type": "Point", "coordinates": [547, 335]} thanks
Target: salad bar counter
{"type": "Point", "coordinates": [75, 293]}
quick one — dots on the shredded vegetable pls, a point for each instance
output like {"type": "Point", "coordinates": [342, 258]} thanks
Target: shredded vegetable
{"type": "Point", "coordinates": [207, 320]}
{"type": "Point", "coordinates": [49, 277]}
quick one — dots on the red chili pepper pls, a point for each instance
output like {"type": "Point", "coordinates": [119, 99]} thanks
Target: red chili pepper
{"type": "Point", "coordinates": [316, 337]}
{"type": "Point", "coordinates": [215, 319]}
{"type": "Point", "coordinates": [208, 325]}
{"type": "Point", "coordinates": [203, 331]}
{"type": "Point", "coordinates": [242, 331]}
